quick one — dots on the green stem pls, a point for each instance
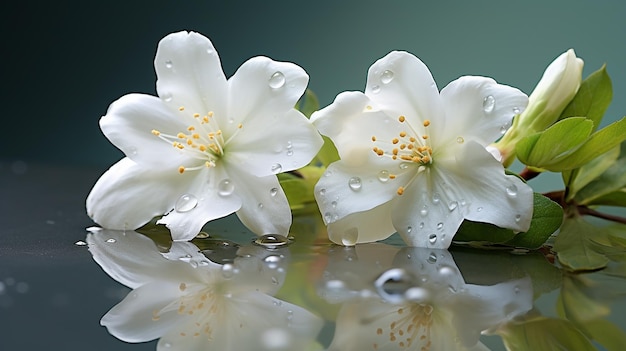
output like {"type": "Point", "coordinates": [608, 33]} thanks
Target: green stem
{"type": "Point", "coordinates": [584, 210]}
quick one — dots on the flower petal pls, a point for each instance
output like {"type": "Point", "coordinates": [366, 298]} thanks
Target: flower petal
{"type": "Point", "coordinates": [133, 259]}
{"type": "Point", "coordinates": [261, 90]}
{"type": "Point", "coordinates": [129, 123]}
{"type": "Point", "coordinates": [133, 319]}
{"type": "Point", "coordinates": [264, 208]}
{"type": "Point", "coordinates": [279, 143]}
{"type": "Point", "coordinates": [362, 227]}
{"type": "Point", "coordinates": [216, 197]}
{"type": "Point", "coordinates": [477, 108]}
{"type": "Point", "coordinates": [118, 199]}
{"type": "Point", "coordinates": [190, 74]}
{"type": "Point", "coordinates": [400, 84]}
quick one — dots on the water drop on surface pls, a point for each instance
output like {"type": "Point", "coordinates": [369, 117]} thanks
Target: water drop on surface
{"type": "Point", "coordinates": [80, 243]}
{"type": "Point", "coordinates": [185, 203]}
{"type": "Point", "coordinates": [322, 192]}
{"type": "Point", "coordinates": [409, 229]}
{"type": "Point", "coordinates": [276, 168]}
{"type": "Point", "coordinates": [386, 77]}
{"type": "Point", "coordinates": [272, 241]}
{"type": "Point", "coordinates": [228, 270]}
{"type": "Point", "coordinates": [479, 209]}
{"type": "Point", "coordinates": [432, 238]}
{"type": "Point", "coordinates": [260, 205]}
{"type": "Point", "coordinates": [518, 218]}
{"type": "Point", "coordinates": [225, 187]}
{"type": "Point", "coordinates": [272, 261]}
{"type": "Point", "coordinates": [439, 225]}
{"type": "Point", "coordinates": [404, 165]}
{"type": "Point", "coordinates": [421, 225]}
{"type": "Point", "coordinates": [273, 192]}
{"type": "Point", "coordinates": [289, 152]}
{"type": "Point", "coordinates": [383, 176]}
{"type": "Point", "coordinates": [511, 190]}
{"type": "Point", "coordinates": [328, 218]}
{"type": "Point", "coordinates": [376, 89]}
{"type": "Point", "coordinates": [334, 204]}
{"type": "Point", "coordinates": [452, 205]}
{"type": "Point", "coordinates": [436, 198]}
{"type": "Point", "coordinates": [446, 271]}
{"type": "Point", "coordinates": [489, 103]}
{"type": "Point", "coordinates": [460, 140]}
{"type": "Point", "coordinates": [432, 258]}
{"type": "Point", "coordinates": [416, 294]}
{"type": "Point", "coordinates": [167, 97]}
{"type": "Point", "coordinates": [111, 241]}
{"type": "Point", "coordinates": [424, 210]}
{"type": "Point", "coordinates": [355, 183]}
{"type": "Point", "coordinates": [168, 64]}
{"type": "Point", "coordinates": [516, 110]}
{"type": "Point", "coordinates": [350, 237]}
{"type": "Point", "coordinates": [277, 80]}
{"type": "Point", "coordinates": [504, 128]}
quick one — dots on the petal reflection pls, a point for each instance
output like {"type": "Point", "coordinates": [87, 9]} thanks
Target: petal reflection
{"type": "Point", "coordinates": [192, 303]}
{"type": "Point", "coordinates": [417, 300]}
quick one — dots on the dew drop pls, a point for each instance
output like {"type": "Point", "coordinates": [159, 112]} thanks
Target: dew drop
{"type": "Point", "coordinates": [276, 168]}
{"type": "Point", "coordinates": [376, 89]}
{"type": "Point", "coordinates": [169, 64]}
{"type": "Point", "coordinates": [409, 229]}
{"type": "Point", "coordinates": [228, 270]}
{"type": "Point", "coordinates": [452, 205]}
{"type": "Point", "coordinates": [489, 103]}
{"type": "Point", "coordinates": [424, 210]}
{"type": "Point", "coordinates": [446, 271]}
{"type": "Point", "coordinates": [511, 190]}
{"type": "Point", "coordinates": [439, 225]}
{"type": "Point", "coordinates": [111, 241]}
{"type": "Point", "coordinates": [231, 120]}
{"type": "Point", "coordinates": [289, 152]}
{"type": "Point", "coordinates": [460, 140]}
{"type": "Point", "coordinates": [328, 218]}
{"type": "Point", "coordinates": [225, 187]}
{"type": "Point", "coordinates": [202, 235]}
{"type": "Point", "coordinates": [479, 209]}
{"type": "Point", "coordinates": [322, 192]}
{"type": "Point", "coordinates": [260, 205]}
{"type": "Point", "coordinates": [432, 238]}
{"type": "Point", "coordinates": [504, 128]}
{"type": "Point", "coordinates": [421, 225]}
{"type": "Point", "coordinates": [463, 202]}
{"type": "Point", "coordinates": [273, 192]}
{"type": "Point", "coordinates": [272, 241]}
{"type": "Point", "coordinates": [355, 183]}
{"type": "Point", "coordinates": [167, 97]}
{"type": "Point", "coordinates": [334, 204]}
{"type": "Point", "coordinates": [383, 176]}
{"type": "Point", "coordinates": [416, 294]}
{"type": "Point", "coordinates": [518, 217]}
{"type": "Point", "coordinates": [432, 258]}
{"type": "Point", "coordinates": [185, 203]}
{"type": "Point", "coordinates": [436, 198]}
{"type": "Point", "coordinates": [132, 150]}
{"type": "Point", "coordinates": [80, 243]}
{"type": "Point", "coordinates": [386, 77]}
{"type": "Point", "coordinates": [404, 165]}
{"type": "Point", "coordinates": [272, 261]}
{"type": "Point", "coordinates": [277, 80]}
{"type": "Point", "coordinates": [350, 237]}
{"type": "Point", "coordinates": [516, 110]}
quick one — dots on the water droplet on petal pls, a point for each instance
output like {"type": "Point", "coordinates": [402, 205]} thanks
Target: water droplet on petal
{"type": "Point", "coordinates": [225, 187]}
{"type": "Point", "coordinates": [273, 192]}
{"type": "Point", "coordinates": [276, 168]}
{"type": "Point", "coordinates": [383, 176]}
{"type": "Point", "coordinates": [328, 217]}
{"type": "Point", "coordinates": [404, 165]}
{"type": "Point", "coordinates": [518, 217]}
{"type": "Point", "coordinates": [111, 241]}
{"type": "Point", "coordinates": [479, 209]}
{"type": "Point", "coordinates": [516, 110]}
{"type": "Point", "coordinates": [334, 204]}
{"type": "Point", "coordinates": [228, 270]}
{"type": "Point", "coordinates": [260, 205]}
{"type": "Point", "coordinates": [416, 294]}
{"type": "Point", "coordinates": [452, 205]}
{"type": "Point", "coordinates": [386, 77]}
{"type": "Point", "coordinates": [185, 203]}
{"type": "Point", "coordinates": [489, 103]}
{"type": "Point", "coordinates": [167, 97]}
{"type": "Point", "coordinates": [350, 237]}
{"type": "Point", "coordinates": [169, 64]}
{"type": "Point", "coordinates": [504, 128]}
{"type": "Point", "coordinates": [409, 229]}
{"type": "Point", "coordinates": [289, 152]}
{"type": "Point", "coordinates": [439, 225]}
{"type": "Point", "coordinates": [272, 261]}
{"type": "Point", "coordinates": [376, 89]}
{"type": "Point", "coordinates": [511, 190]}
{"type": "Point", "coordinates": [432, 238]}
{"type": "Point", "coordinates": [432, 258]}
{"type": "Point", "coordinates": [460, 140]}
{"type": "Point", "coordinates": [436, 198]}
{"type": "Point", "coordinates": [421, 225]}
{"type": "Point", "coordinates": [132, 150]}
{"type": "Point", "coordinates": [446, 271]}
{"type": "Point", "coordinates": [424, 210]}
{"type": "Point", "coordinates": [80, 243]}
{"type": "Point", "coordinates": [272, 241]}
{"type": "Point", "coordinates": [322, 192]}
{"type": "Point", "coordinates": [355, 183]}
{"type": "Point", "coordinates": [277, 80]}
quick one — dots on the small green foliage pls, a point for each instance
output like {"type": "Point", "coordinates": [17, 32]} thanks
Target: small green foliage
{"type": "Point", "coordinates": [539, 334]}
{"type": "Point", "coordinates": [576, 247]}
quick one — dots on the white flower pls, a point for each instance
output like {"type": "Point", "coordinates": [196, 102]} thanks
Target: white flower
{"type": "Point", "coordinates": [419, 302]}
{"type": "Point", "coordinates": [414, 160]}
{"type": "Point", "coordinates": [207, 146]}
{"type": "Point", "coordinates": [201, 305]}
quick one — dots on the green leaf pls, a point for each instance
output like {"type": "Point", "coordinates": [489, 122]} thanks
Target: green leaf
{"type": "Point", "coordinates": [592, 99]}
{"type": "Point", "coordinates": [308, 103]}
{"type": "Point", "coordinates": [577, 179]}
{"type": "Point", "coordinates": [616, 198]}
{"type": "Point", "coordinates": [544, 334]}
{"type": "Point", "coordinates": [482, 232]}
{"type": "Point", "coordinates": [574, 246]}
{"type": "Point", "coordinates": [611, 180]}
{"type": "Point", "coordinates": [327, 154]}
{"type": "Point", "coordinates": [598, 143]}
{"type": "Point", "coordinates": [298, 187]}
{"type": "Point", "coordinates": [553, 143]}
{"type": "Point", "coordinates": [547, 218]}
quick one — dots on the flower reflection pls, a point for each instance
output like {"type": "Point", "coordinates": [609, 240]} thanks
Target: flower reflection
{"type": "Point", "coordinates": [418, 302]}
{"type": "Point", "coordinates": [192, 303]}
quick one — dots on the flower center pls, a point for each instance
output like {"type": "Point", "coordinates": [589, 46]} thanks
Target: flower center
{"type": "Point", "coordinates": [203, 140]}
{"type": "Point", "coordinates": [409, 147]}
{"type": "Point", "coordinates": [411, 328]}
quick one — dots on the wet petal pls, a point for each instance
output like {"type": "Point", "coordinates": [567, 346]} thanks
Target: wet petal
{"type": "Point", "coordinates": [118, 199]}
{"type": "Point", "coordinates": [190, 74]}
{"type": "Point", "coordinates": [213, 196]}
{"type": "Point", "coordinates": [400, 84]}
{"type": "Point", "coordinates": [281, 143]}
{"type": "Point", "coordinates": [362, 227]}
{"type": "Point", "coordinates": [477, 108]}
{"type": "Point", "coordinates": [129, 123]}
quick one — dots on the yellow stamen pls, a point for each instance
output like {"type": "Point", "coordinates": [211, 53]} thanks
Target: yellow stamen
{"type": "Point", "coordinates": [181, 169]}
{"type": "Point", "coordinates": [156, 132]}
{"type": "Point", "coordinates": [426, 123]}
{"type": "Point", "coordinates": [373, 138]}
{"type": "Point", "coordinates": [181, 135]}
{"type": "Point", "coordinates": [182, 108]}
{"type": "Point", "coordinates": [196, 115]}
{"type": "Point", "coordinates": [240, 125]}
{"type": "Point", "coordinates": [190, 128]}
{"type": "Point", "coordinates": [395, 140]}
{"type": "Point", "coordinates": [402, 134]}
{"type": "Point", "coordinates": [424, 137]}
{"type": "Point", "coordinates": [401, 119]}
{"type": "Point", "coordinates": [195, 136]}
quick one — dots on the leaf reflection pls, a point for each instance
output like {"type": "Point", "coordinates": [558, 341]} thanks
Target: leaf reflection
{"type": "Point", "coordinates": [192, 303]}
{"type": "Point", "coordinates": [414, 298]}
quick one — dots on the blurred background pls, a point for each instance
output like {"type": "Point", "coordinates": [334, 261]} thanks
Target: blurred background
{"type": "Point", "coordinates": [65, 62]}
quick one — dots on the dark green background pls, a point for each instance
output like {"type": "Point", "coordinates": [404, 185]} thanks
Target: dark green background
{"type": "Point", "coordinates": [63, 63]}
